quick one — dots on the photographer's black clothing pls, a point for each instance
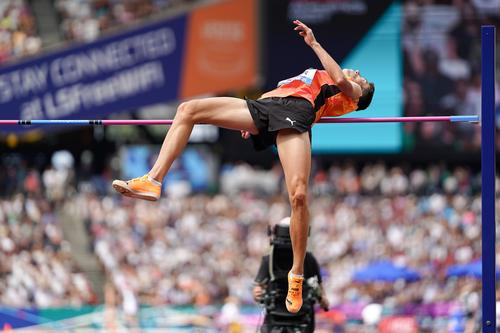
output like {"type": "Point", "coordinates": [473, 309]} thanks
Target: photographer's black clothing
{"type": "Point", "coordinates": [311, 269]}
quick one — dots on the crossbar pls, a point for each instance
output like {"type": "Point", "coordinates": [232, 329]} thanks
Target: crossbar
{"type": "Point", "coordinates": [328, 120]}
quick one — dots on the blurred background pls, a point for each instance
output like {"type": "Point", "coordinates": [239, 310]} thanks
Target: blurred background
{"type": "Point", "coordinates": [75, 256]}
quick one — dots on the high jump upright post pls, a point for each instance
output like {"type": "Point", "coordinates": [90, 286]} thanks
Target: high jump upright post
{"type": "Point", "coordinates": [488, 178]}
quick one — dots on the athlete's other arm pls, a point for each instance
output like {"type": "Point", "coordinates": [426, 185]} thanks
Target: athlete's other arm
{"type": "Point", "coordinates": [348, 87]}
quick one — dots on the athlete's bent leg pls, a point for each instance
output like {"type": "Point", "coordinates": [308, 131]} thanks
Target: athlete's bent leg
{"type": "Point", "coordinates": [226, 112]}
{"type": "Point", "coordinates": [294, 150]}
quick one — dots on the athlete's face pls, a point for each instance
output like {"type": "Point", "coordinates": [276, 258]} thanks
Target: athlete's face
{"type": "Point", "coordinates": [354, 76]}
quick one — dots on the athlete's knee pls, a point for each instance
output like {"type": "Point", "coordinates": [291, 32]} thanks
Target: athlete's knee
{"type": "Point", "coordinates": [299, 200]}
{"type": "Point", "coordinates": [187, 111]}
{"type": "Point", "coordinates": [298, 195]}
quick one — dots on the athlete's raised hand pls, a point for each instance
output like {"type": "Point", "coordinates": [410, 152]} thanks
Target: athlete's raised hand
{"type": "Point", "coordinates": [305, 32]}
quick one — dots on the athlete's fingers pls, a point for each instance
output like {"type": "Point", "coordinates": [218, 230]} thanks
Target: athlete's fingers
{"type": "Point", "coordinates": [300, 24]}
{"type": "Point", "coordinates": [303, 31]}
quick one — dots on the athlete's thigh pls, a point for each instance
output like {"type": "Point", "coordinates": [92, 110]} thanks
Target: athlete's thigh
{"type": "Point", "coordinates": [294, 150]}
{"type": "Point", "coordinates": [226, 112]}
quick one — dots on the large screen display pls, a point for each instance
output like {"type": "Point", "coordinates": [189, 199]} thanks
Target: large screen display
{"type": "Point", "coordinates": [359, 34]}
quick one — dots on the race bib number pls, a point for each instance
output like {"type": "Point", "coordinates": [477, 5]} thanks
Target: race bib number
{"type": "Point", "coordinates": [307, 76]}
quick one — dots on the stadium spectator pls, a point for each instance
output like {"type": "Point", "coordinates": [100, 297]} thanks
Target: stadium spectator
{"type": "Point", "coordinates": [85, 20]}
{"type": "Point", "coordinates": [442, 72]}
{"type": "Point", "coordinates": [18, 35]}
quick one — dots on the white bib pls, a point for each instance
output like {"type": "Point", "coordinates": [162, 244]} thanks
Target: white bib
{"type": "Point", "coordinates": [307, 76]}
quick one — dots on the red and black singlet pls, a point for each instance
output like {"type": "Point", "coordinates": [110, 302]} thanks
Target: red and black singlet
{"type": "Point", "coordinates": [318, 88]}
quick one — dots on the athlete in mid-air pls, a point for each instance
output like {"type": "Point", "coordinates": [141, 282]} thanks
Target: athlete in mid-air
{"type": "Point", "coordinates": [282, 117]}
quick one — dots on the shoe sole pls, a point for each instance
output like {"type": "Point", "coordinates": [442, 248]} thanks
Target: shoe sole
{"type": "Point", "coordinates": [121, 187]}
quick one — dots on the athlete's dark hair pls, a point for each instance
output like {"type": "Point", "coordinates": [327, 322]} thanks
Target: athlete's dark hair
{"type": "Point", "coordinates": [366, 98]}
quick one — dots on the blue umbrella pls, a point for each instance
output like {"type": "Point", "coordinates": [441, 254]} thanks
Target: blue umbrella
{"type": "Point", "coordinates": [385, 270]}
{"type": "Point", "coordinates": [474, 269]}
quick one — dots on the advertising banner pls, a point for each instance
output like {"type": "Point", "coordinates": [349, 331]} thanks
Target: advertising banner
{"type": "Point", "coordinates": [117, 73]}
{"type": "Point", "coordinates": [209, 50]}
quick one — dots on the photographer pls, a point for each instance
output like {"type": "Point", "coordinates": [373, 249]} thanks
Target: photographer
{"type": "Point", "coordinates": [271, 285]}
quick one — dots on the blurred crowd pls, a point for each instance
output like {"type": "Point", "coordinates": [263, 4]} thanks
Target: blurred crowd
{"type": "Point", "coordinates": [202, 248]}
{"type": "Point", "coordinates": [423, 219]}
{"type": "Point", "coordinates": [199, 249]}
{"type": "Point", "coordinates": [86, 20]}
{"type": "Point", "coordinates": [36, 265]}
{"type": "Point", "coordinates": [442, 68]}
{"type": "Point", "coordinates": [18, 33]}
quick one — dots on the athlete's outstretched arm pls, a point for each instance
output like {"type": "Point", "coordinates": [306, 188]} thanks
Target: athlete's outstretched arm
{"type": "Point", "coordinates": [351, 89]}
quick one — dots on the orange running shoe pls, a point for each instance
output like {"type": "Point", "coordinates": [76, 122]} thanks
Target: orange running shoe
{"type": "Point", "coordinates": [294, 297]}
{"type": "Point", "coordinates": [140, 188]}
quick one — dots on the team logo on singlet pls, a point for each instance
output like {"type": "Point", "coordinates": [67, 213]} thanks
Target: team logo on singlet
{"type": "Point", "coordinates": [307, 76]}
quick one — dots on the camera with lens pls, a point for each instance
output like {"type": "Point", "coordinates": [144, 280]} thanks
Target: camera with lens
{"type": "Point", "coordinates": [278, 319]}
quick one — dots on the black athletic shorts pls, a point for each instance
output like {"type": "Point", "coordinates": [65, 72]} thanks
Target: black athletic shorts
{"type": "Point", "coordinates": [275, 113]}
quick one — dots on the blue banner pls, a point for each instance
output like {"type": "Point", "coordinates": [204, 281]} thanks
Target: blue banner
{"type": "Point", "coordinates": [117, 73]}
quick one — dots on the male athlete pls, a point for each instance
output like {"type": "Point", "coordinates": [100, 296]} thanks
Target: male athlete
{"type": "Point", "coordinates": [283, 117]}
